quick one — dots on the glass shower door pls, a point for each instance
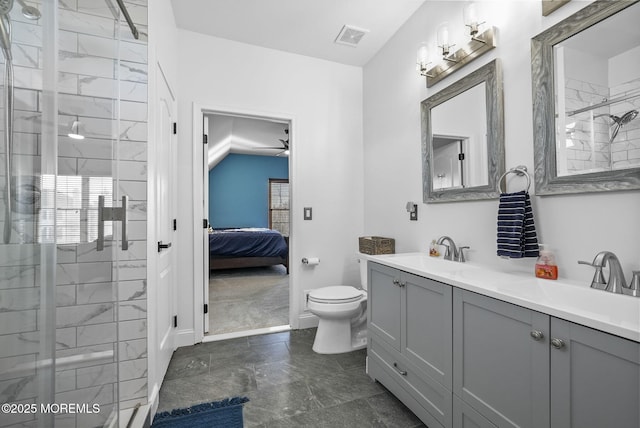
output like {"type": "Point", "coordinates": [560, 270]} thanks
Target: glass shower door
{"type": "Point", "coordinates": [60, 253]}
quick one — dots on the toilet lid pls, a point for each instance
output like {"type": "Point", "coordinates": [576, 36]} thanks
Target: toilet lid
{"type": "Point", "coordinates": [335, 294]}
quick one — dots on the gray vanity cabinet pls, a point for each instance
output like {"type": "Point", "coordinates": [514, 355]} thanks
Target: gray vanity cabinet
{"type": "Point", "coordinates": [465, 416]}
{"type": "Point", "coordinates": [461, 359]}
{"type": "Point", "coordinates": [499, 368]}
{"type": "Point", "coordinates": [595, 378]}
{"type": "Point", "coordinates": [410, 325]}
{"type": "Point", "coordinates": [384, 312]}
{"type": "Point", "coordinates": [519, 367]}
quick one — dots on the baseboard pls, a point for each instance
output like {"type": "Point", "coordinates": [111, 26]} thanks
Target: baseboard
{"type": "Point", "coordinates": [154, 401]}
{"type": "Point", "coordinates": [307, 320]}
{"type": "Point", "coordinates": [184, 338]}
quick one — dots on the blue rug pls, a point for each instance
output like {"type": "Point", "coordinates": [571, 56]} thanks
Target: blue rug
{"type": "Point", "coordinates": [226, 413]}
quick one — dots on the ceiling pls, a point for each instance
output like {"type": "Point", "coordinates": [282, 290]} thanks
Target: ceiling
{"type": "Point", "coordinates": [305, 27]}
{"type": "Point", "coordinates": [244, 135]}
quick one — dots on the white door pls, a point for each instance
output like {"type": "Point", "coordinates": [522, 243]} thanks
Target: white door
{"type": "Point", "coordinates": [165, 192]}
{"type": "Point", "coordinates": [205, 207]}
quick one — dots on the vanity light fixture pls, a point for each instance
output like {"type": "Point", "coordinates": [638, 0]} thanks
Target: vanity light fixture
{"type": "Point", "coordinates": [422, 59]}
{"type": "Point", "coordinates": [74, 130]}
{"type": "Point", "coordinates": [471, 20]}
{"type": "Point", "coordinates": [479, 44]}
{"type": "Point", "coordinates": [444, 42]}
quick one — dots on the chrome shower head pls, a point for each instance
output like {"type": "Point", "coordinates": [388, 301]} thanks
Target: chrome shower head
{"type": "Point", "coordinates": [620, 121]}
{"type": "Point", "coordinates": [628, 117]}
{"type": "Point", "coordinates": [625, 118]}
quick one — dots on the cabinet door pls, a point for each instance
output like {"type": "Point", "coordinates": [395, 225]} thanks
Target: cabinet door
{"type": "Point", "coordinates": [427, 327]}
{"type": "Point", "coordinates": [498, 367]}
{"type": "Point", "coordinates": [384, 303]}
{"type": "Point", "coordinates": [595, 378]}
{"type": "Point", "coordinates": [464, 416]}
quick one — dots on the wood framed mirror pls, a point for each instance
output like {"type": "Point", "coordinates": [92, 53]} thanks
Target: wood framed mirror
{"type": "Point", "coordinates": [586, 98]}
{"type": "Point", "coordinates": [463, 138]}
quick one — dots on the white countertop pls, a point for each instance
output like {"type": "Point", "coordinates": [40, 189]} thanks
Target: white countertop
{"type": "Point", "coordinates": [613, 313]}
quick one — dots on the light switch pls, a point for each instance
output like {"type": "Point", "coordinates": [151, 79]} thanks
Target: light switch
{"type": "Point", "coordinates": [307, 213]}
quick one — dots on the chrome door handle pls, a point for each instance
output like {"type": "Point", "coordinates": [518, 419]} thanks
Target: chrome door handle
{"type": "Point", "coordinates": [537, 335]}
{"type": "Point", "coordinates": [112, 214]}
{"type": "Point", "coordinates": [557, 343]}
{"type": "Point", "coordinates": [162, 246]}
{"type": "Point", "coordinates": [402, 372]}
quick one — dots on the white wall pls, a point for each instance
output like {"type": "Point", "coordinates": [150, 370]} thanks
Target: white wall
{"type": "Point", "coordinates": [576, 226]}
{"type": "Point", "coordinates": [325, 101]}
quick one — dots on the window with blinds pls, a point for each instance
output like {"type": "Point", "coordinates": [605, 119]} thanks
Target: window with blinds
{"type": "Point", "coordinates": [279, 205]}
{"type": "Point", "coordinates": [73, 218]}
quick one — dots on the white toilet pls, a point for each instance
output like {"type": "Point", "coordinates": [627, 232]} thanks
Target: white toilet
{"type": "Point", "coordinates": [342, 311]}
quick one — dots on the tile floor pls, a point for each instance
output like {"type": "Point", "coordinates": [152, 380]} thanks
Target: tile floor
{"type": "Point", "coordinates": [288, 385]}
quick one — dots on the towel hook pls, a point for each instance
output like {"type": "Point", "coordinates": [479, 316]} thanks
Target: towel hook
{"type": "Point", "coordinates": [519, 170]}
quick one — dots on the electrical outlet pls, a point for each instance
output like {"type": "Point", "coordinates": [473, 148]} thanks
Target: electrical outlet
{"type": "Point", "coordinates": [306, 299]}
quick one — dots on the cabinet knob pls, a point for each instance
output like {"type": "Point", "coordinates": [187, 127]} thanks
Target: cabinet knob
{"type": "Point", "coordinates": [557, 343]}
{"type": "Point", "coordinates": [537, 335]}
{"type": "Point", "coordinates": [399, 283]}
{"type": "Point", "coordinates": [402, 372]}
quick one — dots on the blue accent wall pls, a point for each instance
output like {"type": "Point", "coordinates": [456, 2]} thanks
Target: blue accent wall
{"type": "Point", "coordinates": [238, 189]}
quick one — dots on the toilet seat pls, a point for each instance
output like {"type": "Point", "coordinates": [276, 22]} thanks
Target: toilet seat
{"type": "Point", "coordinates": [336, 294]}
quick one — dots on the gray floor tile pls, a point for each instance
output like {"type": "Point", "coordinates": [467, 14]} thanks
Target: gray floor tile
{"type": "Point", "coordinates": [343, 386]}
{"type": "Point", "coordinates": [277, 402]}
{"type": "Point", "coordinates": [392, 412]}
{"type": "Point", "coordinates": [187, 391]}
{"type": "Point", "coordinates": [353, 414]}
{"type": "Point", "coordinates": [351, 360]}
{"type": "Point", "coordinates": [222, 349]}
{"type": "Point", "coordinates": [288, 384]}
{"type": "Point", "coordinates": [188, 365]}
{"type": "Point", "coordinates": [262, 339]}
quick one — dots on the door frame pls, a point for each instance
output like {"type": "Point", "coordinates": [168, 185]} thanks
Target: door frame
{"type": "Point", "coordinates": [201, 264]}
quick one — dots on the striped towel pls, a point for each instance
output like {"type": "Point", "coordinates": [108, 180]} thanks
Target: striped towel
{"type": "Point", "coordinates": [516, 231]}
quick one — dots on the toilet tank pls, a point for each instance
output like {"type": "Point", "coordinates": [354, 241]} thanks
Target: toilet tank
{"type": "Point", "coordinates": [363, 272]}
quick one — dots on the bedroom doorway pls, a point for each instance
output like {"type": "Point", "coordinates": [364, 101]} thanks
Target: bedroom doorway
{"type": "Point", "coordinates": [247, 200]}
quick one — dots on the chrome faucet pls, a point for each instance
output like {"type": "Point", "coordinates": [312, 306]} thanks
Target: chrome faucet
{"type": "Point", "coordinates": [616, 282]}
{"type": "Point", "coordinates": [452, 252]}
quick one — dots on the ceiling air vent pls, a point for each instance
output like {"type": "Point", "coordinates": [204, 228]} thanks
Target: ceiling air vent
{"type": "Point", "coordinates": [350, 35]}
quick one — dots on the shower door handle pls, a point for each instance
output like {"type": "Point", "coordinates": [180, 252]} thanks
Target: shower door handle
{"type": "Point", "coordinates": [112, 214]}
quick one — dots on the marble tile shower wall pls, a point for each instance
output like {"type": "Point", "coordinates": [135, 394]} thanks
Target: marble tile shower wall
{"type": "Point", "coordinates": [587, 139]}
{"type": "Point", "coordinates": [101, 296]}
{"type": "Point", "coordinates": [590, 136]}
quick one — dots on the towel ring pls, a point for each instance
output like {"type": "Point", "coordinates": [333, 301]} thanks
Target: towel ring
{"type": "Point", "coordinates": [519, 170]}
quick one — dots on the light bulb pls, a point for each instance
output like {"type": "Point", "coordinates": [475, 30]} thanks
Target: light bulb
{"type": "Point", "coordinates": [442, 36]}
{"type": "Point", "coordinates": [422, 58]}
{"type": "Point", "coordinates": [471, 18]}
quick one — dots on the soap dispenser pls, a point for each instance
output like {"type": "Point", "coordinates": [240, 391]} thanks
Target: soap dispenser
{"type": "Point", "coordinates": [546, 267]}
{"type": "Point", "coordinates": [433, 249]}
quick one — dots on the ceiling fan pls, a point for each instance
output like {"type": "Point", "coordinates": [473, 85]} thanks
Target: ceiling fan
{"type": "Point", "coordinates": [283, 149]}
